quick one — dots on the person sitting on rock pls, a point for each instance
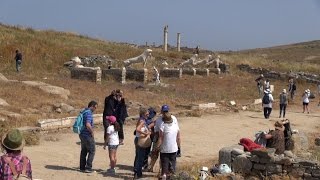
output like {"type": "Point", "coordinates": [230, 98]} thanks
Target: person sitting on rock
{"type": "Point", "coordinates": [275, 138]}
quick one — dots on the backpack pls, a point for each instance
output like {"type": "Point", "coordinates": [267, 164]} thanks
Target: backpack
{"type": "Point", "coordinates": [266, 99]}
{"type": "Point", "coordinates": [78, 125]}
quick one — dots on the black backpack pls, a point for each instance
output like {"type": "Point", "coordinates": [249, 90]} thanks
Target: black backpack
{"type": "Point", "coordinates": [266, 99]}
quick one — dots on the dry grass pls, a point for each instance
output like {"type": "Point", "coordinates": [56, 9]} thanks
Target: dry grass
{"type": "Point", "coordinates": [46, 51]}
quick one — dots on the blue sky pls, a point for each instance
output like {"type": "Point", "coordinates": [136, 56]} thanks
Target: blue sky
{"type": "Point", "coordinates": [212, 24]}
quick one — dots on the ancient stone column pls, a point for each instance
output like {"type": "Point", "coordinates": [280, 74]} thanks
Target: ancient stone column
{"type": "Point", "coordinates": [165, 38]}
{"type": "Point", "coordinates": [178, 42]}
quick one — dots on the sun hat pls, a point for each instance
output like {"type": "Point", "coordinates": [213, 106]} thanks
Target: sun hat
{"type": "Point", "coordinates": [13, 140]}
{"type": "Point", "coordinates": [284, 91]}
{"type": "Point", "coordinates": [165, 108]}
{"type": "Point", "coordinates": [308, 90]}
{"type": "Point", "coordinates": [111, 119]}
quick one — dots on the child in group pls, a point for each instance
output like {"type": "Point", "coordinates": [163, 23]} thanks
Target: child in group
{"type": "Point", "coordinates": [112, 141]}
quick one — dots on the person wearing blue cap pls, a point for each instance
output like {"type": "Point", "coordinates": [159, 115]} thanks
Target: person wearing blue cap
{"type": "Point", "coordinates": [168, 143]}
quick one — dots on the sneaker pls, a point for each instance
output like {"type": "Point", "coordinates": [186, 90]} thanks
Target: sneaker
{"type": "Point", "coordinates": [111, 171]}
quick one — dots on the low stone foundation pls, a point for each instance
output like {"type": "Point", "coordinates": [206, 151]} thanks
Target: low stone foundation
{"type": "Point", "coordinates": [202, 72]}
{"type": "Point", "coordinates": [86, 73]}
{"type": "Point", "coordinates": [191, 72]}
{"type": "Point", "coordinates": [113, 74]}
{"type": "Point", "coordinates": [264, 162]}
{"type": "Point", "coordinates": [137, 75]}
{"type": "Point", "coordinates": [173, 73]}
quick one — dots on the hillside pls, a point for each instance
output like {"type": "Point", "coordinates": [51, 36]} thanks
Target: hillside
{"type": "Point", "coordinates": [46, 51]}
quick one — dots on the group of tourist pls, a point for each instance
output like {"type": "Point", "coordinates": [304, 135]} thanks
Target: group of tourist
{"type": "Point", "coordinates": [152, 137]}
{"type": "Point", "coordinates": [284, 97]}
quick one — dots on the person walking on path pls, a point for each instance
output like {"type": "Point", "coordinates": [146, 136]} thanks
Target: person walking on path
{"type": "Point", "coordinates": [259, 81]}
{"type": "Point", "coordinates": [18, 59]}
{"type": "Point", "coordinates": [266, 84]}
{"type": "Point", "coordinates": [13, 164]}
{"type": "Point", "coordinates": [141, 131]}
{"type": "Point", "coordinates": [305, 100]}
{"type": "Point", "coordinates": [87, 139]}
{"type": "Point", "coordinates": [292, 89]}
{"type": "Point", "coordinates": [169, 139]}
{"type": "Point", "coordinates": [283, 103]}
{"type": "Point", "coordinates": [121, 112]}
{"type": "Point", "coordinates": [112, 142]}
{"type": "Point", "coordinates": [109, 110]}
{"type": "Point", "coordinates": [267, 101]}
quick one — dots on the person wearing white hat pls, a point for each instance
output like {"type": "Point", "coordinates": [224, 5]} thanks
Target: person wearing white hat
{"type": "Point", "coordinates": [305, 100]}
{"type": "Point", "coordinates": [267, 101]}
{"type": "Point", "coordinates": [283, 102]}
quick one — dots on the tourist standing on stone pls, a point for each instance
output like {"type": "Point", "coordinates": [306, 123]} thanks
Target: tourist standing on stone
{"type": "Point", "coordinates": [275, 138]}
{"type": "Point", "coordinates": [18, 59]}
{"type": "Point", "coordinates": [283, 103]}
{"type": "Point", "coordinates": [109, 110]}
{"type": "Point", "coordinates": [13, 164]}
{"type": "Point", "coordinates": [121, 112]}
{"type": "Point", "coordinates": [143, 131]}
{"type": "Point", "coordinates": [267, 101]}
{"type": "Point", "coordinates": [88, 147]}
{"type": "Point", "coordinates": [169, 139]}
{"type": "Point", "coordinates": [260, 85]}
{"type": "Point", "coordinates": [305, 100]}
{"type": "Point", "coordinates": [112, 142]}
{"type": "Point", "coordinates": [292, 89]}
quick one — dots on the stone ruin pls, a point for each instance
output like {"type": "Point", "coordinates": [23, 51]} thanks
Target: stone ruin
{"type": "Point", "coordinates": [79, 69]}
{"type": "Point", "coordinates": [264, 162]}
{"type": "Point", "coordinates": [310, 78]}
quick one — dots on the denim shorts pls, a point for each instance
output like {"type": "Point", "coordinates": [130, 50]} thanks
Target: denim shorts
{"type": "Point", "coordinates": [113, 147]}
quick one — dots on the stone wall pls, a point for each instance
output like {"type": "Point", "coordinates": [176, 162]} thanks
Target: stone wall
{"type": "Point", "coordinates": [91, 74]}
{"type": "Point", "coordinates": [191, 72]}
{"type": "Point", "coordinates": [114, 74]}
{"type": "Point", "coordinates": [174, 73]}
{"type": "Point", "coordinates": [264, 162]}
{"type": "Point", "coordinates": [137, 75]}
{"type": "Point", "coordinates": [311, 78]}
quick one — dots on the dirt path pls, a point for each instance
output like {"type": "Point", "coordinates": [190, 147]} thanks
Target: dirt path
{"type": "Point", "coordinates": [201, 139]}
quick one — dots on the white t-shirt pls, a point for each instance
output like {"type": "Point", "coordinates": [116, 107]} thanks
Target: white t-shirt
{"type": "Point", "coordinates": [159, 122]}
{"type": "Point", "coordinates": [305, 97]}
{"type": "Point", "coordinates": [144, 128]}
{"type": "Point", "coordinates": [169, 143]}
{"type": "Point", "coordinates": [113, 136]}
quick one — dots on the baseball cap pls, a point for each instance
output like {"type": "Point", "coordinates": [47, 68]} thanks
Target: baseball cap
{"type": "Point", "coordinates": [165, 108]}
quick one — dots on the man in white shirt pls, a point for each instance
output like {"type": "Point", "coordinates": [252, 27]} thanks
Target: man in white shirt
{"type": "Point", "coordinates": [169, 139]}
{"type": "Point", "coordinates": [267, 101]}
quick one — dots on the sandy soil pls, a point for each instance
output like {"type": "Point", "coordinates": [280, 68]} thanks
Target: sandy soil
{"type": "Point", "coordinates": [201, 139]}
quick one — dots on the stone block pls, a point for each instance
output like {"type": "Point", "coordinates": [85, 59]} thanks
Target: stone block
{"type": "Point", "coordinates": [254, 158]}
{"type": "Point", "coordinates": [242, 164]}
{"type": "Point", "coordinates": [257, 101]}
{"type": "Point", "coordinates": [3, 102]}
{"type": "Point", "coordinates": [113, 74]}
{"type": "Point", "coordinates": [259, 166]}
{"type": "Point", "coordinates": [202, 72]}
{"type": "Point", "coordinates": [173, 73]}
{"type": "Point", "coordinates": [225, 154]}
{"type": "Point", "coordinates": [214, 70]}
{"type": "Point", "coordinates": [86, 73]}
{"type": "Point", "coordinates": [297, 172]}
{"type": "Point", "coordinates": [288, 154]}
{"type": "Point", "coordinates": [237, 152]}
{"type": "Point", "coordinates": [274, 168]}
{"type": "Point", "coordinates": [265, 160]}
{"type": "Point", "coordinates": [137, 75]}
{"type": "Point", "coordinates": [316, 173]}
{"type": "Point", "coordinates": [232, 103]}
{"type": "Point", "coordinates": [207, 106]}
{"type": "Point", "coordinates": [307, 163]}
{"type": "Point", "coordinates": [191, 72]}
{"type": "Point", "coordinates": [263, 152]}
{"type": "Point", "coordinates": [271, 88]}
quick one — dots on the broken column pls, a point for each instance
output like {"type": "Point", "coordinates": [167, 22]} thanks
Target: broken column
{"type": "Point", "coordinates": [165, 40]}
{"type": "Point", "coordinates": [178, 42]}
